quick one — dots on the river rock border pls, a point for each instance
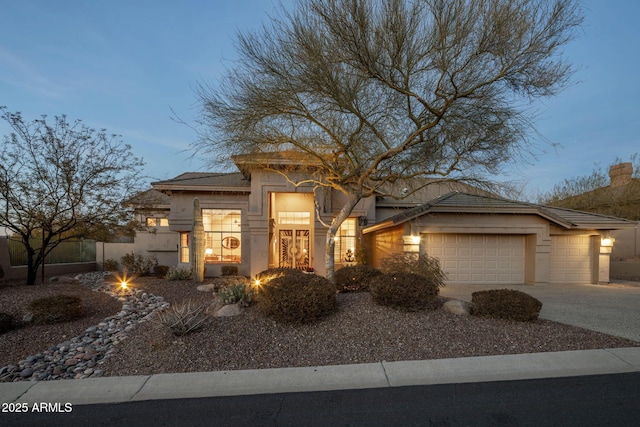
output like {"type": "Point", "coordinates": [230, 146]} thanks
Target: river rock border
{"type": "Point", "coordinates": [82, 356]}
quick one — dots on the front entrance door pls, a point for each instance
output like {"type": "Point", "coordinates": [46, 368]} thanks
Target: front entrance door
{"type": "Point", "coordinates": [293, 248]}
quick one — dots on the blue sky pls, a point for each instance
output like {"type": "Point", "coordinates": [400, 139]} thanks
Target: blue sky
{"type": "Point", "coordinates": [124, 65]}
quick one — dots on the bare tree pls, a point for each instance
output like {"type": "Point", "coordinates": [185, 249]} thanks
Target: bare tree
{"type": "Point", "coordinates": [60, 181]}
{"type": "Point", "coordinates": [375, 91]}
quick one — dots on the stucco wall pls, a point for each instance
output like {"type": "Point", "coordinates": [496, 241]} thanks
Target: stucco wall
{"type": "Point", "coordinates": [627, 243]}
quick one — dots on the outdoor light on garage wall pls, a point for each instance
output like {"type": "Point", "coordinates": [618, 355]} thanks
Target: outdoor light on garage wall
{"type": "Point", "coordinates": [606, 241]}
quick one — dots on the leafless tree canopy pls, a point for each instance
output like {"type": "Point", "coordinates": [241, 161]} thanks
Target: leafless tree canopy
{"type": "Point", "coordinates": [377, 90]}
{"type": "Point", "coordinates": [61, 180]}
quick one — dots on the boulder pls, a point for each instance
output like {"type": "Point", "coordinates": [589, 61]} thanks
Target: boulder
{"type": "Point", "coordinates": [229, 310]}
{"type": "Point", "coordinates": [457, 307]}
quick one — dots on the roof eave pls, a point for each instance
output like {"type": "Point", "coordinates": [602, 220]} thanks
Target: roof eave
{"type": "Point", "coordinates": [201, 188]}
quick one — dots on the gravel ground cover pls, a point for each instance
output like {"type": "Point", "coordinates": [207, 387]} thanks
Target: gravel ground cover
{"type": "Point", "coordinates": [29, 340]}
{"type": "Point", "coordinates": [360, 332]}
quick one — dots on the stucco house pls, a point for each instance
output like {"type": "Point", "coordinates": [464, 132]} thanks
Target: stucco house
{"type": "Point", "coordinates": [255, 219]}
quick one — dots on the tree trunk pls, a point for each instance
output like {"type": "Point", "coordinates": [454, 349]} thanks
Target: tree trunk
{"type": "Point", "coordinates": [32, 266]}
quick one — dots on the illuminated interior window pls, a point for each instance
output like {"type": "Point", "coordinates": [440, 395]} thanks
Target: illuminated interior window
{"type": "Point", "coordinates": [184, 247]}
{"type": "Point", "coordinates": [223, 236]}
{"type": "Point", "coordinates": [346, 242]}
{"type": "Point", "coordinates": [294, 218]}
{"type": "Point", "coordinates": [155, 222]}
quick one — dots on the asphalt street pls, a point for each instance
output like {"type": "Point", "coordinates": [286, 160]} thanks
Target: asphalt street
{"type": "Point", "coordinates": [600, 400]}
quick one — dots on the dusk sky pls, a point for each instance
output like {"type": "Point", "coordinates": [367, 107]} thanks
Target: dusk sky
{"type": "Point", "coordinates": [125, 65]}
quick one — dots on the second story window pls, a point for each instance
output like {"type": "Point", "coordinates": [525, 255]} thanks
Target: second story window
{"type": "Point", "coordinates": [157, 222]}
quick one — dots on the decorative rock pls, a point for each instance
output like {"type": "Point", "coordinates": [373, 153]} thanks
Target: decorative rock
{"type": "Point", "coordinates": [229, 311]}
{"type": "Point", "coordinates": [457, 307]}
{"type": "Point", "coordinates": [206, 288]}
{"type": "Point", "coordinates": [78, 356]}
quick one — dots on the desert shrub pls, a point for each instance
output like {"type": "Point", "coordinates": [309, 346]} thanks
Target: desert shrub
{"type": "Point", "coordinates": [237, 293]}
{"type": "Point", "coordinates": [505, 304]}
{"type": "Point", "coordinates": [179, 273]}
{"type": "Point", "coordinates": [56, 308]}
{"type": "Point", "coordinates": [110, 265]}
{"type": "Point", "coordinates": [355, 278]}
{"type": "Point", "coordinates": [7, 323]}
{"type": "Point", "coordinates": [161, 271]}
{"type": "Point", "coordinates": [421, 264]}
{"type": "Point", "coordinates": [298, 298]}
{"type": "Point", "coordinates": [229, 270]}
{"type": "Point", "coordinates": [406, 291]}
{"type": "Point", "coordinates": [185, 317]}
{"type": "Point", "coordinates": [141, 265]}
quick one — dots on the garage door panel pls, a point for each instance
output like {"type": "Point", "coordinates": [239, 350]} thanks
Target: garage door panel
{"type": "Point", "coordinates": [488, 259]}
{"type": "Point", "coordinates": [571, 259]}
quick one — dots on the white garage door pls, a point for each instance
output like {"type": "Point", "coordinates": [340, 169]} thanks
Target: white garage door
{"type": "Point", "coordinates": [571, 259]}
{"type": "Point", "coordinates": [479, 258]}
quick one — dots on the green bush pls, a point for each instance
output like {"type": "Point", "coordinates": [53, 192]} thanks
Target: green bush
{"type": "Point", "coordinates": [238, 293]}
{"type": "Point", "coordinates": [7, 323]}
{"type": "Point", "coordinates": [56, 308]}
{"type": "Point", "coordinates": [298, 298]}
{"type": "Point", "coordinates": [505, 304]}
{"type": "Point", "coordinates": [421, 264]}
{"type": "Point", "coordinates": [406, 291]}
{"type": "Point", "coordinates": [355, 278]}
{"type": "Point", "coordinates": [110, 265]}
{"type": "Point", "coordinates": [186, 317]}
{"type": "Point", "coordinates": [161, 271]}
{"type": "Point", "coordinates": [179, 273]}
{"type": "Point", "coordinates": [134, 263]}
{"type": "Point", "coordinates": [229, 270]}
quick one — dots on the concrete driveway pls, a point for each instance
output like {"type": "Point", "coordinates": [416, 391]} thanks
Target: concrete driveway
{"type": "Point", "coordinates": [613, 309]}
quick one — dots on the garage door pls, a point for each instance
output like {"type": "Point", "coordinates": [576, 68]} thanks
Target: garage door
{"type": "Point", "coordinates": [571, 259]}
{"type": "Point", "coordinates": [479, 258]}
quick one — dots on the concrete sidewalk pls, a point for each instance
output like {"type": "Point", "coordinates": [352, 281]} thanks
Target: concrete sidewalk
{"type": "Point", "coordinates": [340, 377]}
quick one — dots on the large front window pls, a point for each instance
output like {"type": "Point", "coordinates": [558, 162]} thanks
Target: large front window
{"type": "Point", "coordinates": [222, 235]}
{"type": "Point", "coordinates": [345, 249]}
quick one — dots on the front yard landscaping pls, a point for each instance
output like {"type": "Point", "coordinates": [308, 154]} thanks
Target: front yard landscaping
{"type": "Point", "coordinates": [360, 331]}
